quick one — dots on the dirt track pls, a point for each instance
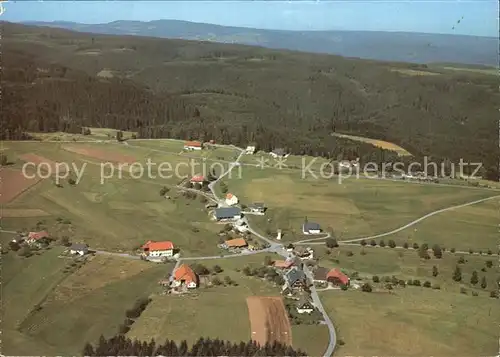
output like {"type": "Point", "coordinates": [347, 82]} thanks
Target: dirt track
{"type": "Point", "coordinates": [269, 320]}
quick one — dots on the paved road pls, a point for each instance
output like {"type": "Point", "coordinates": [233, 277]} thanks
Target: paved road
{"type": "Point", "coordinates": [415, 221]}
{"type": "Point", "coordinates": [279, 249]}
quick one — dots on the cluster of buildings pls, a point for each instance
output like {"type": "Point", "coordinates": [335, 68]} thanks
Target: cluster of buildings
{"type": "Point", "coordinates": [41, 238]}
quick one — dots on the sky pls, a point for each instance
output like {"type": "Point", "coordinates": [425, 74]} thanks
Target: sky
{"type": "Point", "coordinates": [480, 17]}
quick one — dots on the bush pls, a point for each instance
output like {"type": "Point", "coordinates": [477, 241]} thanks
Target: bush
{"type": "Point", "coordinates": [392, 243]}
{"type": "Point", "coordinates": [457, 274]}
{"type": "Point", "coordinates": [438, 252]}
{"type": "Point", "coordinates": [362, 242]}
{"type": "Point", "coordinates": [331, 243]}
{"type": "Point", "coordinates": [405, 245]}
{"type": "Point", "coordinates": [382, 243]}
{"type": "Point", "coordinates": [409, 282]}
{"type": "Point", "coordinates": [415, 246]}
{"type": "Point", "coordinates": [387, 279]}
{"type": "Point", "coordinates": [416, 282]}
{"type": "Point", "coordinates": [373, 243]}
{"type": "Point", "coordinates": [216, 281]}
{"type": "Point", "coordinates": [375, 279]}
{"type": "Point", "coordinates": [228, 280]}
{"type": "Point", "coordinates": [427, 284]}
{"type": "Point", "coordinates": [367, 288]}
{"type": "Point", "coordinates": [489, 252]}
{"type": "Point", "coordinates": [402, 283]}
{"type": "Point", "coordinates": [475, 293]}
{"type": "Point", "coordinates": [349, 253]}
{"type": "Point", "coordinates": [489, 264]}
{"type": "Point", "coordinates": [217, 269]}
{"type": "Point", "coordinates": [494, 294]}
{"type": "Point", "coordinates": [471, 251]}
{"type": "Point", "coordinates": [452, 250]}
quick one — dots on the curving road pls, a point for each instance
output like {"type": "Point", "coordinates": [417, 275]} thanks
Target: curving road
{"type": "Point", "coordinates": [415, 221]}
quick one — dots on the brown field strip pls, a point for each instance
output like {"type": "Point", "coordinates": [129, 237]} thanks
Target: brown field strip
{"type": "Point", "coordinates": [23, 212]}
{"type": "Point", "coordinates": [100, 154]}
{"type": "Point", "coordinates": [269, 320]}
{"type": "Point", "coordinates": [13, 183]}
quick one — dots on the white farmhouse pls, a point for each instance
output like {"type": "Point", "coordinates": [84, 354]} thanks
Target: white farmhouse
{"type": "Point", "coordinates": [79, 248]}
{"type": "Point", "coordinates": [250, 150]}
{"type": "Point", "coordinates": [158, 249]}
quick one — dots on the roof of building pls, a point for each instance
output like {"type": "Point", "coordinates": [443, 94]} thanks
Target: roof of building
{"type": "Point", "coordinates": [184, 272]}
{"type": "Point", "coordinates": [282, 264]}
{"type": "Point", "coordinates": [38, 235]}
{"type": "Point", "coordinates": [192, 143]}
{"type": "Point", "coordinates": [337, 274]}
{"type": "Point", "coordinates": [166, 245]}
{"type": "Point", "coordinates": [311, 226]}
{"type": "Point", "coordinates": [198, 178]}
{"type": "Point", "coordinates": [304, 300]}
{"type": "Point", "coordinates": [227, 212]}
{"type": "Point", "coordinates": [294, 275]}
{"type": "Point", "coordinates": [79, 246]}
{"type": "Point", "coordinates": [230, 196]}
{"type": "Point", "coordinates": [236, 243]}
{"type": "Point", "coordinates": [320, 273]}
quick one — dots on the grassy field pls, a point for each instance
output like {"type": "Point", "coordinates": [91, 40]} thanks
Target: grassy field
{"type": "Point", "coordinates": [413, 322]}
{"type": "Point", "coordinates": [74, 307]}
{"type": "Point", "coordinates": [353, 208]}
{"type": "Point", "coordinates": [116, 213]}
{"type": "Point", "coordinates": [472, 227]}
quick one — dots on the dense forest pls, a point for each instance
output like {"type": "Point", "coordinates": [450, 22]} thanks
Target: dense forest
{"type": "Point", "coordinates": [122, 346]}
{"type": "Point", "coordinates": [57, 80]}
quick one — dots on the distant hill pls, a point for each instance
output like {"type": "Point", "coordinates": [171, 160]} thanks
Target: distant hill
{"type": "Point", "coordinates": [385, 46]}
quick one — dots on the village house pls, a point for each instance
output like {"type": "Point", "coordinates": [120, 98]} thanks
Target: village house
{"type": "Point", "coordinates": [336, 277]}
{"type": "Point", "coordinates": [250, 150]}
{"type": "Point", "coordinates": [79, 248]}
{"type": "Point", "coordinates": [304, 306]}
{"type": "Point", "coordinates": [158, 249]}
{"type": "Point", "coordinates": [192, 145]}
{"type": "Point", "coordinates": [37, 237]}
{"type": "Point", "coordinates": [227, 213]}
{"type": "Point", "coordinates": [288, 263]}
{"type": "Point", "coordinates": [184, 275]}
{"type": "Point", "coordinates": [257, 207]}
{"type": "Point", "coordinates": [319, 275]}
{"type": "Point", "coordinates": [311, 228]}
{"type": "Point", "coordinates": [235, 243]}
{"type": "Point", "coordinates": [295, 278]}
{"type": "Point", "coordinates": [231, 199]}
{"type": "Point", "coordinates": [304, 253]}
{"type": "Point", "coordinates": [198, 179]}
{"type": "Point", "coordinates": [278, 153]}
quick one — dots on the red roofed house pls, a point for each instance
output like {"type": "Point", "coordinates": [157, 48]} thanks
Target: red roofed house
{"type": "Point", "coordinates": [335, 276]}
{"type": "Point", "coordinates": [185, 275]}
{"type": "Point", "coordinates": [159, 249]}
{"type": "Point", "coordinates": [198, 179]}
{"type": "Point", "coordinates": [192, 145]}
{"type": "Point", "coordinates": [37, 236]}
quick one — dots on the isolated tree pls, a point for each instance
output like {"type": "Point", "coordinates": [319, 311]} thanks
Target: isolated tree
{"type": "Point", "coordinates": [373, 243]}
{"type": "Point", "coordinates": [474, 279]}
{"type": "Point", "coordinates": [228, 280]}
{"type": "Point", "coordinates": [457, 274]}
{"type": "Point", "coordinates": [435, 271]}
{"type": "Point", "coordinates": [331, 242]}
{"type": "Point", "coordinates": [438, 252]}
{"type": "Point", "coordinates": [484, 283]}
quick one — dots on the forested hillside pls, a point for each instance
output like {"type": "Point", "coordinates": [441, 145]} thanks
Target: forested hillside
{"type": "Point", "coordinates": [60, 80]}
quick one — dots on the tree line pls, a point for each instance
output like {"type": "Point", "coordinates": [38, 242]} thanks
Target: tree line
{"type": "Point", "coordinates": [122, 346]}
